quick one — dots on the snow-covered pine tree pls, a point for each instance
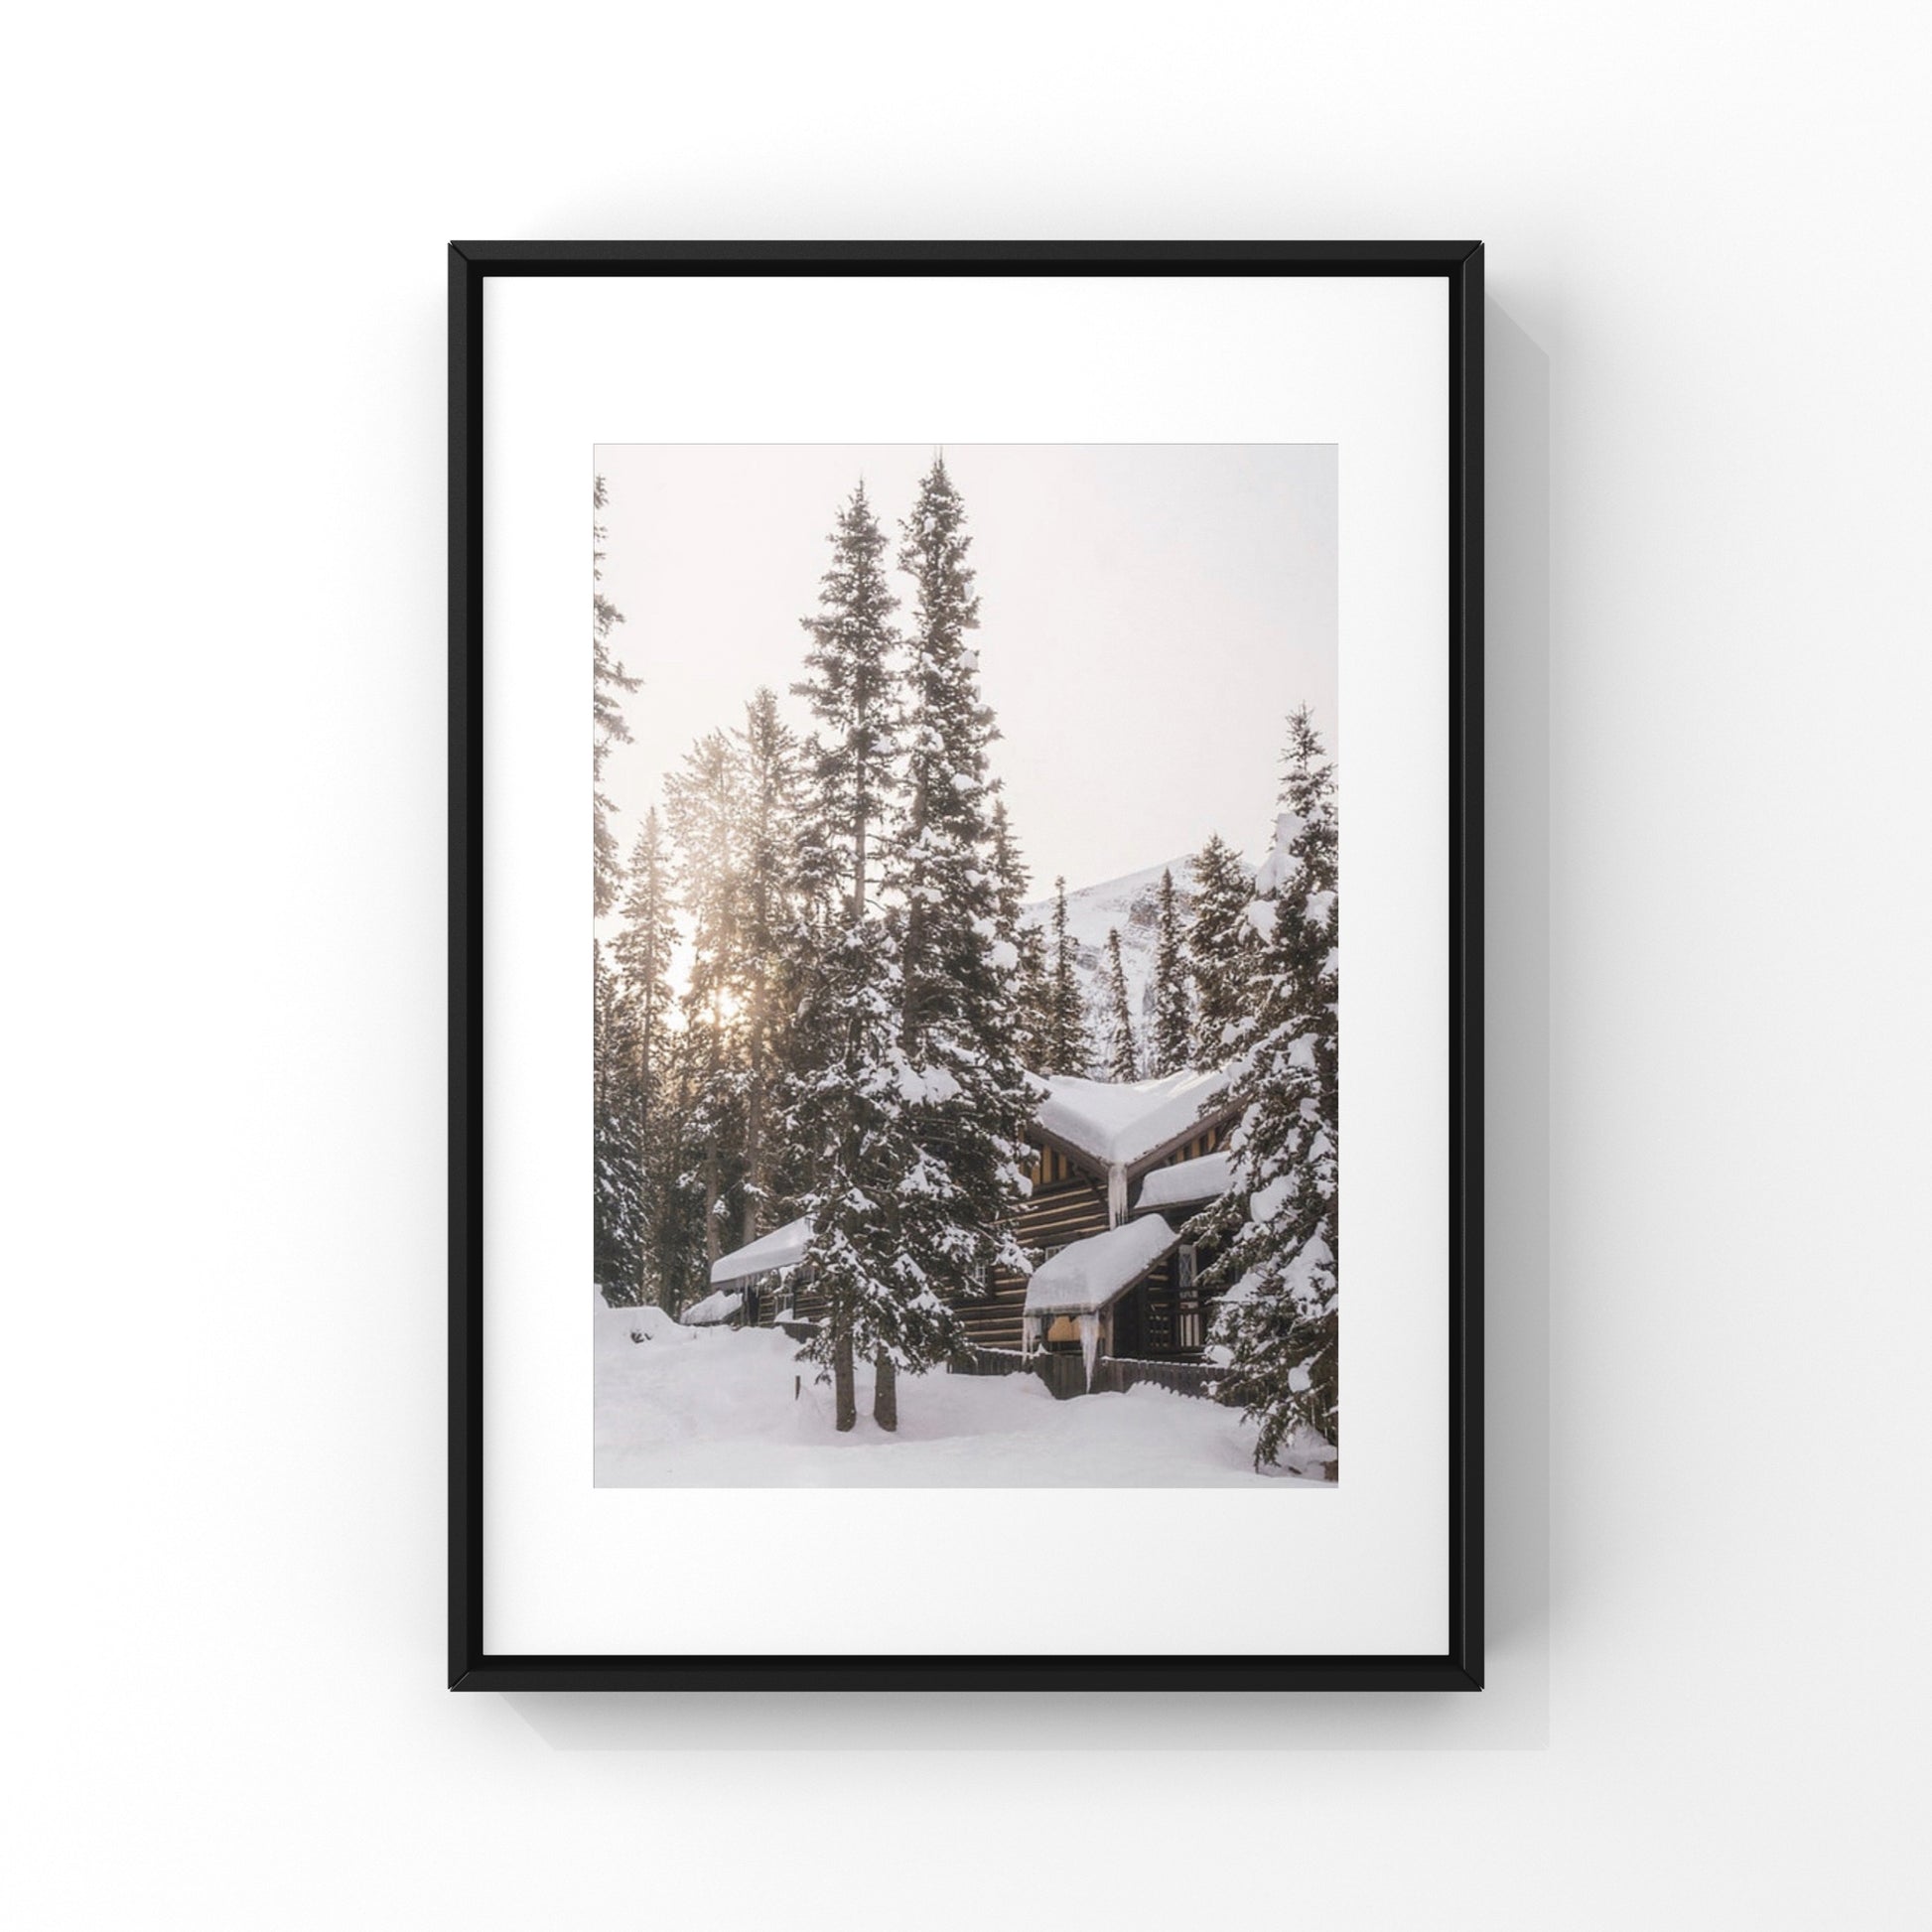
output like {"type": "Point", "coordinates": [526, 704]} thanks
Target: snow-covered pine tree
{"type": "Point", "coordinates": [1223, 949]}
{"type": "Point", "coordinates": [608, 727]}
{"type": "Point", "coordinates": [677, 1228]}
{"type": "Point", "coordinates": [1068, 1048]}
{"type": "Point", "coordinates": [702, 806]}
{"type": "Point", "coordinates": [847, 1104]}
{"type": "Point", "coordinates": [769, 940]}
{"type": "Point", "coordinates": [618, 1210]}
{"type": "Point", "coordinates": [1172, 1041]}
{"type": "Point", "coordinates": [1123, 1052]}
{"type": "Point", "coordinates": [1031, 985]}
{"type": "Point", "coordinates": [1279, 1257]}
{"type": "Point", "coordinates": [642, 949]}
{"type": "Point", "coordinates": [968, 1096]}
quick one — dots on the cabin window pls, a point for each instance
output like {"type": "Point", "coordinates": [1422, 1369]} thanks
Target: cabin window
{"type": "Point", "coordinates": [1187, 1314]}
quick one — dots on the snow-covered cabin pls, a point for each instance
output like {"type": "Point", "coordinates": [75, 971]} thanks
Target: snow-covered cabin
{"type": "Point", "coordinates": [750, 1285]}
{"type": "Point", "coordinates": [1121, 1170]}
{"type": "Point", "coordinates": [1110, 1154]}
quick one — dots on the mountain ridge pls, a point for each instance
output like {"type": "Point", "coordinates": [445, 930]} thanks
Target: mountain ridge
{"type": "Point", "coordinates": [1130, 903]}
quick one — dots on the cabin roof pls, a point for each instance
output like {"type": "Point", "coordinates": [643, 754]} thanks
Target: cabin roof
{"type": "Point", "coordinates": [1087, 1275]}
{"type": "Point", "coordinates": [1184, 1184]}
{"type": "Point", "coordinates": [1117, 1124]}
{"type": "Point", "coordinates": [783, 1248]}
{"type": "Point", "coordinates": [719, 1306]}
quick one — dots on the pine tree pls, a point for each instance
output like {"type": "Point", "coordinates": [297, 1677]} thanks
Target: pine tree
{"type": "Point", "coordinates": [619, 1211]}
{"type": "Point", "coordinates": [1123, 1056]}
{"type": "Point", "coordinates": [702, 806]}
{"type": "Point", "coordinates": [643, 949]}
{"type": "Point", "coordinates": [847, 1110]}
{"type": "Point", "coordinates": [1223, 949]}
{"type": "Point", "coordinates": [1068, 1049]}
{"type": "Point", "coordinates": [1032, 984]}
{"type": "Point", "coordinates": [1171, 1043]}
{"type": "Point", "coordinates": [968, 1095]}
{"type": "Point", "coordinates": [1279, 1256]}
{"type": "Point", "coordinates": [676, 1230]}
{"type": "Point", "coordinates": [608, 727]}
{"type": "Point", "coordinates": [770, 941]}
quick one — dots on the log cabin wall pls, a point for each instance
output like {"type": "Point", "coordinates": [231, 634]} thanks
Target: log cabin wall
{"type": "Point", "coordinates": [1065, 1206]}
{"type": "Point", "coordinates": [1210, 1139]}
{"type": "Point", "coordinates": [806, 1302]}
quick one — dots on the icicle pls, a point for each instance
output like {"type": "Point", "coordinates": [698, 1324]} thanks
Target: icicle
{"type": "Point", "coordinates": [1090, 1339]}
{"type": "Point", "coordinates": [1028, 1335]}
{"type": "Point", "coordinates": [1116, 1195]}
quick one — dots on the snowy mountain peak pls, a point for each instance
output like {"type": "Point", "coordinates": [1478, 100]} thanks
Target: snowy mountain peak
{"type": "Point", "coordinates": [1131, 903]}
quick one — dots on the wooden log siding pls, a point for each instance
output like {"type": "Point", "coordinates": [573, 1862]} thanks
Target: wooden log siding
{"type": "Point", "coordinates": [1209, 1142]}
{"type": "Point", "coordinates": [1068, 1207]}
{"type": "Point", "coordinates": [808, 1302]}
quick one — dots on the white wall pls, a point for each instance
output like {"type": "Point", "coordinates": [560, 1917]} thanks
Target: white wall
{"type": "Point", "coordinates": [223, 784]}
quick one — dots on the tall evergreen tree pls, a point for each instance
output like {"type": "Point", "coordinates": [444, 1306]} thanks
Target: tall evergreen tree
{"type": "Point", "coordinates": [1280, 1255]}
{"type": "Point", "coordinates": [847, 1109]}
{"type": "Point", "coordinates": [1223, 950]}
{"type": "Point", "coordinates": [1031, 983]}
{"type": "Point", "coordinates": [968, 1096]}
{"type": "Point", "coordinates": [1068, 1049]}
{"type": "Point", "coordinates": [1172, 1044]}
{"type": "Point", "coordinates": [676, 1230]}
{"type": "Point", "coordinates": [618, 1206]}
{"type": "Point", "coordinates": [702, 805]}
{"type": "Point", "coordinates": [1123, 1054]}
{"type": "Point", "coordinates": [769, 940]}
{"type": "Point", "coordinates": [609, 682]}
{"type": "Point", "coordinates": [643, 950]}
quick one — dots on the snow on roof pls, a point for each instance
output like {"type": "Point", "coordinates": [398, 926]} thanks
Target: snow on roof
{"type": "Point", "coordinates": [719, 1306]}
{"type": "Point", "coordinates": [1087, 1275]}
{"type": "Point", "coordinates": [1117, 1122]}
{"type": "Point", "coordinates": [783, 1248]}
{"type": "Point", "coordinates": [1207, 1178]}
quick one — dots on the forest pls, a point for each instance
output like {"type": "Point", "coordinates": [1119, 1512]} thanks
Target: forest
{"type": "Point", "coordinates": [816, 993]}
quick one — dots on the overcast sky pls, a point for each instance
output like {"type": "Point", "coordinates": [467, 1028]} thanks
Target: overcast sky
{"type": "Point", "coordinates": [1150, 613]}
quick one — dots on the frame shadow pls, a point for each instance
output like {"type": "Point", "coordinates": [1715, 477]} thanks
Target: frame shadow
{"type": "Point", "coordinates": [1513, 1710]}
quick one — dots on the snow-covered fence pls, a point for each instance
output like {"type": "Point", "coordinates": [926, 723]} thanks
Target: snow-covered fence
{"type": "Point", "coordinates": [1064, 1371]}
{"type": "Point", "coordinates": [993, 1361]}
{"type": "Point", "coordinates": [1119, 1374]}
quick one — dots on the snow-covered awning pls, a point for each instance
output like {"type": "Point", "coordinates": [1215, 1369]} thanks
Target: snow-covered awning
{"type": "Point", "coordinates": [1116, 1124]}
{"type": "Point", "coordinates": [1086, 1275]}
{"type": "Point", "coordinates": [783, 1248]}
{"type": "Point", "coordinates": [719, 1306]}
{"type": "Point", "coordinates": [1186, 1182]}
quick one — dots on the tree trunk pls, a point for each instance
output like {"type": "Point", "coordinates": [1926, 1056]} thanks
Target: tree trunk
{"type": "Point", "coordinates": [845, 1395]}
{"type": "Point", "coordinates": [885, 1390]}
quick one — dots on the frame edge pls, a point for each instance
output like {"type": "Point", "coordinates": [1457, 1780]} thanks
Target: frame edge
{"type": "Point", "coordinates": [470, 1669]}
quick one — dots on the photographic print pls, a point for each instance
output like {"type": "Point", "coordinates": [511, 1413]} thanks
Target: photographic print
{"type": "Point", "coordinates": [966, 966]}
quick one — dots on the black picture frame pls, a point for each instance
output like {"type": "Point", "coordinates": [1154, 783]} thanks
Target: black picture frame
{"type": "Point", "coordinates": [1459, 1666]}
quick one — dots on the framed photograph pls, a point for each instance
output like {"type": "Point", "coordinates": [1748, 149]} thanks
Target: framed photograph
{"type": "Point", "coordinates": [998, 1205]}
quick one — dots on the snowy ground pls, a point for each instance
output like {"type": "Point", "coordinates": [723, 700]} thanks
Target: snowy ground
{"type": "Point", "coordinates": [690, 1408]}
